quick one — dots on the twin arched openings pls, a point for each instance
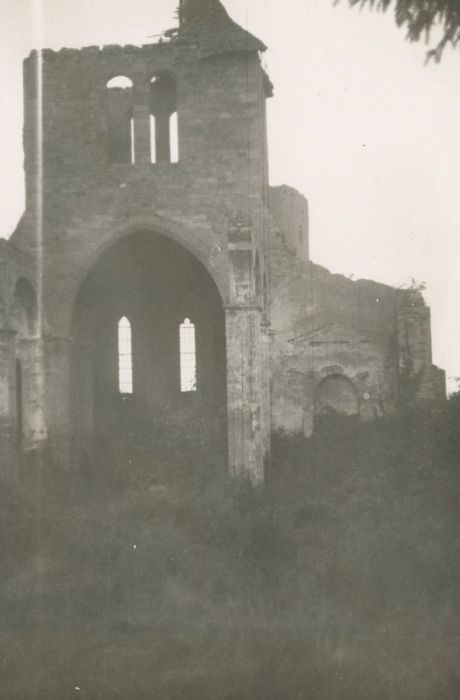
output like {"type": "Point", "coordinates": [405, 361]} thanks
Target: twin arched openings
{"type": "Point", "coordinates": [163, 122]}
{"type": "Point", "coordinates": [187, 352]}
{"type": "Point", "coordinates": [163, 285]}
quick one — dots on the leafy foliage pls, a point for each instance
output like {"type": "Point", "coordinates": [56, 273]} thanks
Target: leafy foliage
{"type": "Point", "coordinates": [413, 285]}
{"type": "Point", "coordinates": [420, 17]}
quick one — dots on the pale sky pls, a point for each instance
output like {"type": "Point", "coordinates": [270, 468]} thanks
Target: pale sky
{"type": "Point", "coordinates": [358, 124]}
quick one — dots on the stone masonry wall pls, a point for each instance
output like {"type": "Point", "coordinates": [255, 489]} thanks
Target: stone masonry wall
{"type": "Point", "coordinates": [88, 202]}
{"type": "Point", "coordinates": [84, 204]}
{"type": "Point", "coordinates": [289, 209]}
{"type": "Point", "coordinates": [324, 324]}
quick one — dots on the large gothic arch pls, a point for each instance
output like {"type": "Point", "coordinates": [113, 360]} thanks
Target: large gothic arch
{"type": "Point", "coordinates": [154, 284]}
{"type": "Point", "coordinates": [206, 249]}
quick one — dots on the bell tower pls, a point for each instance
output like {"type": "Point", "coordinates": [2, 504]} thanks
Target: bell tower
{"type": "Point", "coordinates": [167, 139]}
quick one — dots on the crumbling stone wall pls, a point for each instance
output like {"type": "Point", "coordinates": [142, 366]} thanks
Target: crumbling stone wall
{"type": "Point", "coordinates": [21, 404]}
{"type": "Point", "coordinates": [84, 203]}
{"type": "Point", "coordinates": [291, 327]}
{"type": "Point", "coordinates": [324, 325]}
{"type": "Point", "coordinates": [289, 210]}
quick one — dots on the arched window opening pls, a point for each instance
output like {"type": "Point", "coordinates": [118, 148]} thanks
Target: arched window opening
{"type": "Point", "coordinates": [187, 357]}
{"type": "Point", "coordinates": [336, 395]}
{"type": "Point", "coordinates": [153, 142]}
{"type": "Point", "coordinates": [336, 409]}
{"type": "Point", "coordinates": [174, 135]}
{"type": "Point", "coordinates": [164, 130]}
{"type": "Point", "coordinates": [120, 120]}
{"type": "Point", "coordinates": [125, 357]}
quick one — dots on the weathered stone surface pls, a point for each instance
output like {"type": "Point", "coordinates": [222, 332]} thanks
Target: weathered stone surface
{"type": "Point", "coordinates": [289, 209]}
{"type": "Point", "coordinates": [293, 333]}
{"type": "Point", "coordinates": [207, 22]}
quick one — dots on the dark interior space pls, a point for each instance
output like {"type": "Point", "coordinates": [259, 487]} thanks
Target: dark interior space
{"type": "Point", "coordinates": [336, 408]}
{"type": "Point", "coordinates": [133, 407]}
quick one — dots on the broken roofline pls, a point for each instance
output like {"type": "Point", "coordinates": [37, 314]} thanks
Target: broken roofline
{"type": "Point", "coordinates": [208, 22]}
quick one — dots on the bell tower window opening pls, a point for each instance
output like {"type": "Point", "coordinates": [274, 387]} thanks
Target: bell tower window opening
{"type": "Point", "coordinates": [187, 357]}
{"type": "Point", "coordinates": [125, 357]}
{"type": "Point", "coordinates": [120, 120]}
{"type": "Point", "coordinates": [163, 123]}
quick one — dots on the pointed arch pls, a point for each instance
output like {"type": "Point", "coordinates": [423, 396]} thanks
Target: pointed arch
{"type": "Point", "coordinates": [120, 119]}
{"type": "Point", "coordinates": [163, 284]}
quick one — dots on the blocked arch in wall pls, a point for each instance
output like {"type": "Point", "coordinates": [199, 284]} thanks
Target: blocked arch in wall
{"type": "Point", "coordinates": [336, 402]}
{"type": "Point", "coordinates": [155, 283]}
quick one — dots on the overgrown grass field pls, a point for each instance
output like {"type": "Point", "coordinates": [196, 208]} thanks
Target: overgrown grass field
{"type": "Point", "coordinates": [340, 579]}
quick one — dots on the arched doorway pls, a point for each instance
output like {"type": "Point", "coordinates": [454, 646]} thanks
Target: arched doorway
{"type": "Point", "coordinates": [336, 405]}
{"type": "Point", "coordinates": [148, 360]}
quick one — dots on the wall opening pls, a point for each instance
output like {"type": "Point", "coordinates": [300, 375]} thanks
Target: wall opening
{"type": "Point", "coordinates": [153, 142]}
{"type": "Point", "coordinates": [125, 357]}
{"type": "Point", "coordinates": [140, 349]}
{"type": "Point", "coordinates": [336, 404]}
{"type": "Point", "coordinates": [164, 136]}
{"type": "Point", "coordinates": [121, 82]}
{"type": "Point", "coordinates": [188, 379]}
{"type": "Point", "coordinates": [120, 120]}
{"type": "Point", "coordinates": [174, 136]}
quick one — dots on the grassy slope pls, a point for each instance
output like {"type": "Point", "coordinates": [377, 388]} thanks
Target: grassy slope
{"type": "Point", "coordinates": [338, 581]}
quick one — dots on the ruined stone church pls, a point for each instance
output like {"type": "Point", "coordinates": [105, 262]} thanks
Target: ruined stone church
{"type": "Point", "coordinates": [157, 284]}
